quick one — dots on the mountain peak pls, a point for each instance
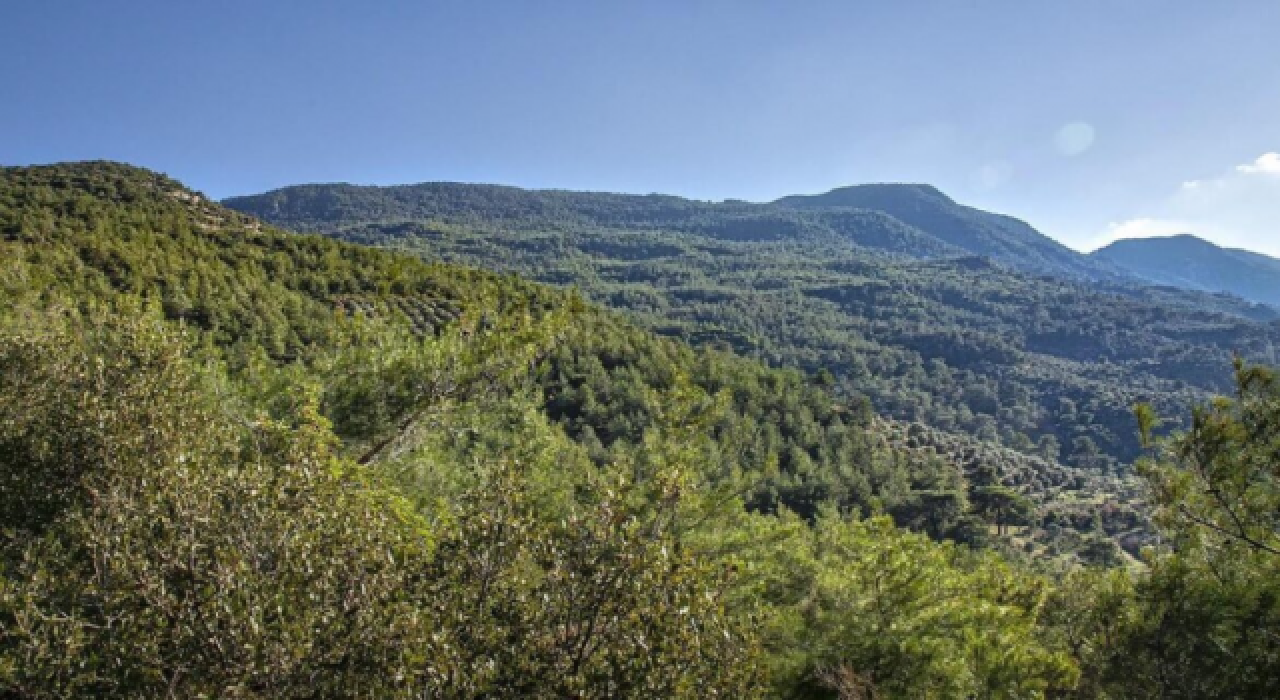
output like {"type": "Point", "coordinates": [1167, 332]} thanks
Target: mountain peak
{"type": "Point", "coordinates": [1188, 261]}
{"type": "Point", "coordinates": [1146, 241]}
{"type": "Point", "coordinates": [874, 193]}
{"type": "Point", "coordinates": [1003, 239]}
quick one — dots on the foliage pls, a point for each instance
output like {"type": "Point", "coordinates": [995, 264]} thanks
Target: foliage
{"type": "Point", "coordinates": [888, 297]}
{"type": "Point", "coordinates": [337, 472]}
{"type": "Point", "coordinates": [1203, 621]}
{"type": "Point", "coordinates": [907, 617]}
{"type": "Point", "coordinates": [183, 548]}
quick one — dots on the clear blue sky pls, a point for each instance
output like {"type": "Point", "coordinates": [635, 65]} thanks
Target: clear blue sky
{"type": "Point", "coordinates": [1085, 117]}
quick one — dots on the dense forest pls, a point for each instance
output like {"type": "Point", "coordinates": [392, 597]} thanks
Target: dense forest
{"type": "Point", "coordinates": [901, 310]}
{"type": "Point", "coordinates": [241, 462]}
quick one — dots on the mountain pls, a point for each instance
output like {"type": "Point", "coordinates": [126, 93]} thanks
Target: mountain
{"type": "Point", "coordinates": [240, 460]}
{"type": "Point", "coordinates": [101, 235]}
{"type": "Point", "coordinates": [327, 208]}
{"type": "Point", "coordinates": [1001, 238]}
{"type": "Point", "coordinates": [1049, 365]}
{"type": "Point", "coordinates": [913, 220]}
{"type": "Point", "coordinates": [1189, 262]}
{"type": "Point", "coordinates": [106, 235]}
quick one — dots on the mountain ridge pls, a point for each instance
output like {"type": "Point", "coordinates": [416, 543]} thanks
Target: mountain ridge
{"type": "Point", "coordinates": [850, 290]}
{"type": "Point", "coordinates": [1190, 262]}
{"type": "Point", "coordinates": [926, 222]}
{"type": "Point", "coordinates": [910, 220]}
{"type": "Point", "coordinates": [1003, 238]}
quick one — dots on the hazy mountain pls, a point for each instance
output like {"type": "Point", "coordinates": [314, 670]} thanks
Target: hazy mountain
{"type": "Point", "coordinates": [978, 232]}
{"type": "Point", "coordinates": [1190, 262]}
{"type": "Point", "coordinates": [331, 208]}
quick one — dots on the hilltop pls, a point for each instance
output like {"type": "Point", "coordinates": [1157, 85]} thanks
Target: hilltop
{"type": "Point", "coordinates": [1189, 262]}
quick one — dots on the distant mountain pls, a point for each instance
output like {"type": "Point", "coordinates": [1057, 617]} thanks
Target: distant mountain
{"type": "Point", "coordinates": [336, 207]}
{"type": "Point", "coordinates": [1002, 238]}
{"type": "Point", "coordinates": [1189, 262]}
{"type": "Point", "coordinates": [913, 220]}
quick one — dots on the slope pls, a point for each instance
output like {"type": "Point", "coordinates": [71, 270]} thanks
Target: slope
{"type": "Point", "coordinates": [978, 232]}
{"type": "Point", "coordinates": [1189, 262]}
{"type": "Point", "coordinates": [1044, 365]}
{"type": "Point", "coordinates": [96, 235]}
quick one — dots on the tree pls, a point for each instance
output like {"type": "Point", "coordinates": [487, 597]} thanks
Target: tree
{"type": "Point", "coordinates": [862, 604]}
{"type": "Point", "coordinates": [1213, 597]}
{"type": "Point", "coordinates": [1205, 620]}
{"type": "Point", "coordinates": [157, 544]}
{"type": "Point", "coordinates": [1002, 506]}
{"type": "Point", "coordinates": [1048, 447]}
{"type": "Point", "coordinates": [164, 537]}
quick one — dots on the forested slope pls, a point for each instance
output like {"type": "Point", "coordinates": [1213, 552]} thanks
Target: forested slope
{"type": "Point", "coordinates": [169, 362]}
{"type": "Point", "coordinates": [238, 462]}
{"type": "Point", "coordinates": [977, 232]}
{"type": "Point", "coordinates": [896, 312]}
{"type": "Point", "coordinates": [95, 234]}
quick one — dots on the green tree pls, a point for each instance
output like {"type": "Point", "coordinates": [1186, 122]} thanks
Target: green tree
{"type": "Point", "coordinates": [161, 537]}
{"type": "Point", "coordinates": [158, 545]}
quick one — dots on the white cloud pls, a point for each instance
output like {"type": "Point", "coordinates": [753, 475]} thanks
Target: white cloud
{"type": "Point", "coordinates": [1239, 208]}
{"type": "Point", "coordinates": [1267, 163]}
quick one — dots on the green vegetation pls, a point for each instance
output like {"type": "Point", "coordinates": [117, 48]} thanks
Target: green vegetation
{"type": "Point", "coordinates": [887, 298]}
{"type": "Point", "coordinates": [161, 539]}
{"type": "Point", "coordinates": [1203, 621]}
{"type": "Point", "coordinates": [97, 233]}
{"type": "Point", "coordinates": [237, 462]}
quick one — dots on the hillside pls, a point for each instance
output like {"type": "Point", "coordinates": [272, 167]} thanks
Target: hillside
{"type": "Point", "coordinates": [475, 398]}
{"type": "Point", "coordinates": [915, 220]}
{"type": "Point", "coordinates": [1001, 238]}
{"type": "Point", "coordinates": [100, 233]}
{"type": "Point", "coordinates": [1188, 262]}
{"type": "Point", "coordinates": [1047, 366]}
{"type": "Point", "coordinates": [236, 461]}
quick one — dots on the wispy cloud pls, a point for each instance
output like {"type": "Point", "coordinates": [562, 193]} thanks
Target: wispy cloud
{"type": "Point", "coordinates": [1267, 163]}
{"type": "Point", "coordinates": [1238, 208]}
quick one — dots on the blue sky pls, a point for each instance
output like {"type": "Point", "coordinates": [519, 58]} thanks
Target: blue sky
{"type": "Point", "coordinates": [1088, 118]}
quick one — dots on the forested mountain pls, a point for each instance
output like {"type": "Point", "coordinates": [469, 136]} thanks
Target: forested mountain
{"type": "Point", "coordinates": [100, 232]}
{"type": "Point", "coordinates": [974, 231]}
{"type": "Point", "coordinates": [94, 234]}
{"type": "Point", "coordinates": [1189, 262]}
{"type": "Point", "coordinates": [435, 381]}
{"type": "Point", "coordinates": [914, 220]}
{"type": "Point", "coordinates": [1044, 365]}
{"type": "Point", "coordinates": [239, 462]}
